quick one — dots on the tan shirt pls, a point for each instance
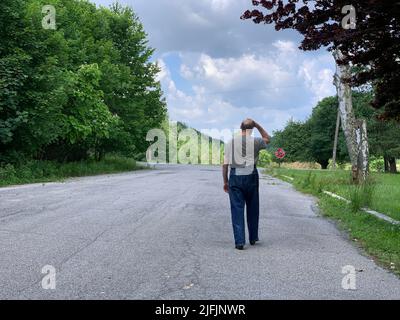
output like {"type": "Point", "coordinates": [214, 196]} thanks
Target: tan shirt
{"type": "Point", "coordinates": [243, 152]}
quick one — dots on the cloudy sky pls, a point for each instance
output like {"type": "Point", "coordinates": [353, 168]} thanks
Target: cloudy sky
{"type": "Point", "coordinates": [218, 70]}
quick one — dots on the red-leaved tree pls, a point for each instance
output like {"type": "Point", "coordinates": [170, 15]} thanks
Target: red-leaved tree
{"type": "Point", "coordinates": [373, 46]}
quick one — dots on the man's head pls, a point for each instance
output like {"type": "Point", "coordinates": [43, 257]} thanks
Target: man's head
{"type": "Point", "coordinates": [247, 126]}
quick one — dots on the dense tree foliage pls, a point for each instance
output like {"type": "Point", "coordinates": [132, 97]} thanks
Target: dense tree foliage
{"type": "Point", "coordinates": [81, 90]}
{"type": "Point", "coordinates": [373, 46]}
{"type": "Point", "coordinates": [294, 139]}
{"type": "Point", "coordinates": [313, 140]}
{"type": "Point", "coordinates": [383, 135]}
{"type": "Point", "coordinates": [322, 125]}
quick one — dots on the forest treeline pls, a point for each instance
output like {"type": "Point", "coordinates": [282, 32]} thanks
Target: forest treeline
{"type": "Point", "coordinates": [81, 91]}
{"type": "Point", "coordinates": [89, 88]}
{"type": "Point", "coordinates": [313, 140]}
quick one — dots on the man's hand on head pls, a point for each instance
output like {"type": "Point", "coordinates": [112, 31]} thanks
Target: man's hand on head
{"type": "Point", "coordinates": [251, 122]}
{"type": "Point", "coordinates": [248, 124]}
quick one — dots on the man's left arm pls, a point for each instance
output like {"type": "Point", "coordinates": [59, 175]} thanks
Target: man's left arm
{"type": "Point", "coordinates": [225, 169]}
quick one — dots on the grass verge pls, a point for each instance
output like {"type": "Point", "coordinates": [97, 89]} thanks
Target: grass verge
{"type": "Point", "coordinates": [379, 239]}
{"type": "Point", "coordinates": [385, 196]}
{"type": "Point", "coordinates": [49, 171]}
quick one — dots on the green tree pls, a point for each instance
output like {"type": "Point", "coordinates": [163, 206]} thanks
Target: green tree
{"type": "Point", "coordinates": [322, 124]}
{"type": "Point", "coordinates": [383, 136]}
{"type": "Point", "coordinates": [13, 75]}
{"type": "Point", "coordinates": [81, 90]}
{"type": "Point", "coordinates": [294, 139]}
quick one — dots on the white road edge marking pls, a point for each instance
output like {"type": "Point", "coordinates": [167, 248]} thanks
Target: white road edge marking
{"type": "Point", "coordinates": [371, 212]}
{"type": "Point", "coordinates": [27, 186]}
{"type": "Point", "coordinates": [333, 195]}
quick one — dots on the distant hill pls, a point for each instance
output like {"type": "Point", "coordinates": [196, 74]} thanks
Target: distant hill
{"type": "Point", "coordinates": [201, 149]}
{"type": "Point", "coordinates": [213, 154]}
{"type": "Point", "coordinates": [182, 126]}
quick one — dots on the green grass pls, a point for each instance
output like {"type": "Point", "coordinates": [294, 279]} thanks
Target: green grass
{"type": "Point", "coordinates": [380, 239]}
{"type": "Point", "coordinates": [48, 171]}
{"type": "Point", "coordinates": [384, 198]}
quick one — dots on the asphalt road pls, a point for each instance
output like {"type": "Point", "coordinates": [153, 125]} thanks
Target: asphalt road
{"type": "Point", "coordinates": [167, 234]}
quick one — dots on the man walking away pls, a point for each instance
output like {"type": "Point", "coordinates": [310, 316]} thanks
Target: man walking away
{"type": "Point", "coordinates": [241, 155]}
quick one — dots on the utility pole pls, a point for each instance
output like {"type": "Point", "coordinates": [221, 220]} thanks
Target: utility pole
{"type": "Point", "coordinates": [336, 140]}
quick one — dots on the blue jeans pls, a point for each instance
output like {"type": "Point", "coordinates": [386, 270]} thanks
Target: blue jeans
{"type": "Point", "coordinates": [243, 190]}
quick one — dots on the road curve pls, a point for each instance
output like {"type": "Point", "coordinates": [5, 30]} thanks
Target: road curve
{"type": "Point", "coordinates": [166, 234]}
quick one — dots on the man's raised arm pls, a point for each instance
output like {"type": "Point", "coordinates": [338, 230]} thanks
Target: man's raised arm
{"type": "Point", "coordinates": [265, 136]}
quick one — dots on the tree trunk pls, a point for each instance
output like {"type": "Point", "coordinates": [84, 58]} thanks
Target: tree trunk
{"type": "Point", "coordinates": [392, 165]}
{"type": "Point", "coordinates": [363, 151]}
{"type": "Point", "coordinates": [335, 144]}
{"type": "Point", "coordinates": [324, 164]}
{"type": "Point", "coordinates": [354, 130]}
{"type": "Point", "coordinates": [387, 166]}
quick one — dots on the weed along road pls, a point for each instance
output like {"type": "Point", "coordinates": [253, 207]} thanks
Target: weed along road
{"type": "Point", "coordinates": [166, 234]}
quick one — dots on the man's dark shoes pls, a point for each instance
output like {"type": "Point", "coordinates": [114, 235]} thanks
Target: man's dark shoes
{"type": "Point", "coordinates": [240, 247]}
{"type": "Point", "coordinates": [253, 243]}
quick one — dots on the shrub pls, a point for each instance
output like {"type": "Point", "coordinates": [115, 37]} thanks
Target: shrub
{"type": "Point", "coordinates": [24, 172]}
{"type": "Point", "coordinates": [377, 165]}
{"type": "Point", "coordinates": [265, 159]}
{"type": "Point", "coordinates": [7, 173]}
{"type": "Point", "coordinates": [41, 171]}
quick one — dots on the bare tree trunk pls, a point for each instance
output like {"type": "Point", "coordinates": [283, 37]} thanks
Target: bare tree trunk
{"type": "Point", "coordinates": [387, 166]}
{"type": "Point", "coordinates": [336, 141]}
{"type": "Point", "coordinates": [392, 165]}
{"type": "Point", "coordinates": [354, 130]}
{"type": "Point", "coordinates": [363, 150]}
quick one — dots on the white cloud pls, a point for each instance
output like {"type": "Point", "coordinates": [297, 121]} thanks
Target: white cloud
{"type": "Point", "coordinates": [231, 69]}
{"type": "Point", "coordinates": [273, 79]}
{"type": "Point", "coordinates": [318, 76]}
{"type": "Point", "coordinates": [285, 47]}
{"type": "Point", "coordinates": [227, 90]}
{"type": "Point", "coordinates": [219, 5]}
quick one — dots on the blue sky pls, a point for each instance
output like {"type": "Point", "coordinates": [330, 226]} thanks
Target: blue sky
{"type": "Point", "coordinates": [218, 70]}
